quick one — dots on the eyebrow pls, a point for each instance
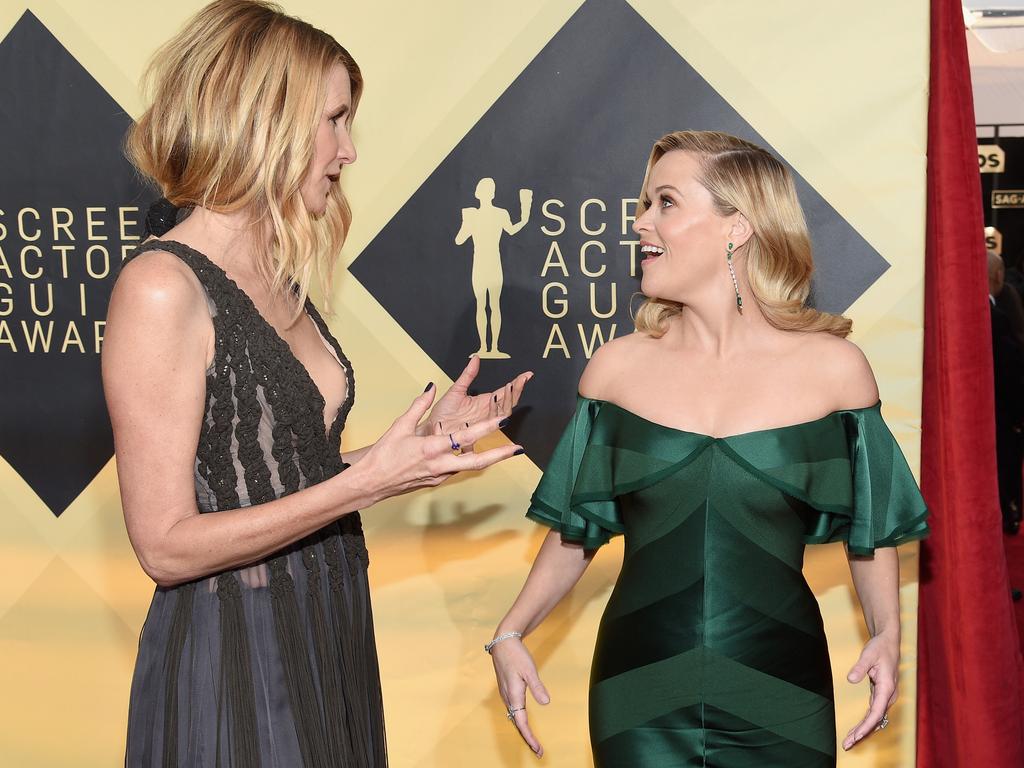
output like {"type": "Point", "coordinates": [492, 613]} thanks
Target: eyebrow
{"type": "Point", "coordinates": [668, 186]}
{"type": "Point", "coordinates": [339, 111]}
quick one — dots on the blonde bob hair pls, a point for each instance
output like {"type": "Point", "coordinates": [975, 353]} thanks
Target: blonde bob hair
{"type": "Point", "coordinates": [235, 101]}
{"type": "Point", "coordinates": [743, 177]}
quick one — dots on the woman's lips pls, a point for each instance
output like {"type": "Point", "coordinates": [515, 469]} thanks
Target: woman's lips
{"type": "Point", "coordinates": [650, 252]}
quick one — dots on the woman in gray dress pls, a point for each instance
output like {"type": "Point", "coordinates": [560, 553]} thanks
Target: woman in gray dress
{"type": "Point", "coordinates": [228, 396]}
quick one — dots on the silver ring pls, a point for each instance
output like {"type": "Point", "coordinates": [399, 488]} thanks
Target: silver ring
{"type": "Point", "coordinates": [511, 712]}
{"type": "Point", "coordinates": [883, 722]}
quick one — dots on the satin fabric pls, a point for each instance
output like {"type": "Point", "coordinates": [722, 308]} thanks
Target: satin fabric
{"type": "Point", "coordinates": [711, 650]}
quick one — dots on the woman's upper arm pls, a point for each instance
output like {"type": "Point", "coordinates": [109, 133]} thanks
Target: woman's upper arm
{"type": "Point", "coordinates": [154, 364]}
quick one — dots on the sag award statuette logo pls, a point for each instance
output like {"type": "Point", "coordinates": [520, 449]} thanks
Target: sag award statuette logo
{"type": "Point", "coordinates": [484, 226]}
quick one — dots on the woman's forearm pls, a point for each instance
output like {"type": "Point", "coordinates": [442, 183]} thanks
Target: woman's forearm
{"type": "Point", "coordinates": [877, 581]}
{"type": "Point", "coordinates": [556, 569]}
{"type": "Point", "coordinates": [198, 545]}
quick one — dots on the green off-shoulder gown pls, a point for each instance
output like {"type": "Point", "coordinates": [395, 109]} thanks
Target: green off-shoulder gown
{"type": "Point", "coordinates": [711, 650]}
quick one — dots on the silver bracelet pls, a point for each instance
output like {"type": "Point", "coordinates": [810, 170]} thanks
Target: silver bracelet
{"type": "Point", "coordinates": [500, 638]}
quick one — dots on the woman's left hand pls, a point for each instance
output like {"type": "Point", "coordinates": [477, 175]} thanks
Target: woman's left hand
{"type": "Point", "coordinates": [458, 409]}
{"type": "Point", "coordinates": [879, 661]}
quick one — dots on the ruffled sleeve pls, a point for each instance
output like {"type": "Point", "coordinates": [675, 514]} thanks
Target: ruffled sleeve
{"type": "Point", "coordinates": [886, 508]}
{"type": "Point", "coordinates": [575, 495]}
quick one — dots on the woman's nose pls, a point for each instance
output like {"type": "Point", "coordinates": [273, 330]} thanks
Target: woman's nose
{"type": "Point", "coordinates": [641, 223]}
{"type": "Point", "coordinates": [346, 150]}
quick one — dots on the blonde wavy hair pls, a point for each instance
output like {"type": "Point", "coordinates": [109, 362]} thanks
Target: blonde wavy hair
{"type": "Point", "coordinates": [235, 100]}
{"type": "Point", "coordinates": [743, 177]}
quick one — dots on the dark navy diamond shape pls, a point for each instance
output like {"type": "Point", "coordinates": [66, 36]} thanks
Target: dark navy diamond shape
{"type": "Point", "coordinates": [61, 150]}
{"type": "Point", "coordinates": [576, 125]}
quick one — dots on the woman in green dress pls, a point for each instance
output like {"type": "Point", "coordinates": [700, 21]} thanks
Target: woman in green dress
{"type": "Point", "coordinates": [732, 428]}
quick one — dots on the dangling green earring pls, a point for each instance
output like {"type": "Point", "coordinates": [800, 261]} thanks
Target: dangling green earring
{"type": "Point", "coordinates": [735, 285]}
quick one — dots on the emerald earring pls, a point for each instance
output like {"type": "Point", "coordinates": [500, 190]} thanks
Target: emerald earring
{"type": "Point", "coordinates": [735, 285]}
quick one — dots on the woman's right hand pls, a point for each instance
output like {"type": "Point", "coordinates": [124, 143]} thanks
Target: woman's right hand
{"type": "Point", "coordinates": [401, 461]}
{"type": "Point", "coordinates": [516, 671]}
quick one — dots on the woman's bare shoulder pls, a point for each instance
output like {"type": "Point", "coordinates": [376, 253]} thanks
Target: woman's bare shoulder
{"type": "Point", "coordinates": [842, 367]}
{"type": "Point", "coordinates": [614, 363]}
{"type": "Point", "coordinates": [156, 282]}
{"type": "Point", "coordinates": [157, 307]}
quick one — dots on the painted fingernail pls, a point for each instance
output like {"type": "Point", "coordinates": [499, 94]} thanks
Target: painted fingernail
{"type": "Point", "coordinates": [495, 398]}
{"type": "Point", "coordinates": [503, 423]}
{"type": "Point", "coordinates": [467, 425]}
{"type": "Point", "coordinates": [428, 387]}
{"type": "Point", "coordinates": [518, 452]}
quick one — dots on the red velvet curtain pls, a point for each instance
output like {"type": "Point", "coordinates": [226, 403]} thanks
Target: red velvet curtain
{"type": "Point", "coordinates": [969, 665]}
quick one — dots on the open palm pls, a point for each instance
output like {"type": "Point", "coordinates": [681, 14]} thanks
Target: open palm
{"type": "Point", "coordinates": [457, 408]}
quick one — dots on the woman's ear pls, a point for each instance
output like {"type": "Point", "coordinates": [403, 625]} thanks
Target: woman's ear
{"type": "Point", "coordinates": [741, 231]}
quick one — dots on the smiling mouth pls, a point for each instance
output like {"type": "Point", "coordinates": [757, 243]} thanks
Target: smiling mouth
{"type": "Point", "coordinates": [650, 252]}
{"type": "Point", "coordinates": [333, 177]}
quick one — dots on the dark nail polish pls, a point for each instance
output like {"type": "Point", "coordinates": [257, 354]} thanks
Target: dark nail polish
{"type": "Point", "coordinates": [518, 452]}
{"type": "Point", "coordinates": [495, 398]}
{"type": "Point", "coordinates": [427, 388]}
{"type": "Point", "coordinates": [467, 425]}
{"type": "Point", "coordinates": [503, 423]}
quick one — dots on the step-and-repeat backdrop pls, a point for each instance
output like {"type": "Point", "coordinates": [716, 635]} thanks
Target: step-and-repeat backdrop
{"type": "Point", "coordinates": [541, 113]}
{"type": "Point", "coordinates": [1001, 161]}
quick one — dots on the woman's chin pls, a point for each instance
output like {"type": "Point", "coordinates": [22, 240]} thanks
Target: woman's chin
{"type": "Point", "coordinates": [316, 209]}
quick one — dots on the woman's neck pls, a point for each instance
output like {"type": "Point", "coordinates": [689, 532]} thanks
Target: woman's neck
{"type": "Point", "coordinates": [715, 327]}
{"type": "Point", "coordinates": [227, 239]}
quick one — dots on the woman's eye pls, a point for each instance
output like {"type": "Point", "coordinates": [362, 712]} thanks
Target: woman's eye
{"type": "Point", "coordinates": [665, 202]}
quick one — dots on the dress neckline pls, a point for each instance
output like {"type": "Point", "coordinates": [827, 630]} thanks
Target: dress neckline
{"type": "Point", "coordinates": [736, 435]}
{"type": "Point", "coordinates": [277, 338]}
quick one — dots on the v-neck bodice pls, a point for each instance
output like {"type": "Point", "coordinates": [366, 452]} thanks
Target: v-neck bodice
{"type": "Point", "coordinates": [283, 347]}
{"type": "Point", "coordinates": [264, 412]}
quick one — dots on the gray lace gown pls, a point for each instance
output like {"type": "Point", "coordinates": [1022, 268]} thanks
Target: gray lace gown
{"type": "Point", "coordinates": [273, 664]}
